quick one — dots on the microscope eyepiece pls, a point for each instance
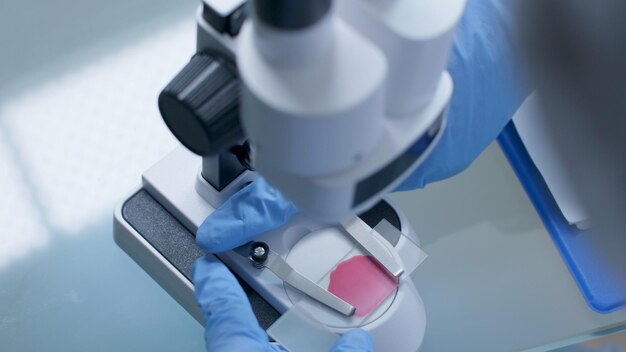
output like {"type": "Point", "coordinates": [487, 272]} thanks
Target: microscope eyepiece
{"type": "Point", "coordinates": [290, 14]}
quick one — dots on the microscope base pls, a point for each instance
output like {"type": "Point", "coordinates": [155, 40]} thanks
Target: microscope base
{"type": "Point", "coordinates": [155, 226]}
{"type": "Point", "coordinates": [166, 250]}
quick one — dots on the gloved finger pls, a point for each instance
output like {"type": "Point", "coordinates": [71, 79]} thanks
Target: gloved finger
{"type": "Point", "coordinates": [254, 210]}
{"type": "Point", "coordinates": [357, 340]}
{"type": "Point", "coordinates": [488, 89]}
{"type": "Point", "coordinates": [230, 324]}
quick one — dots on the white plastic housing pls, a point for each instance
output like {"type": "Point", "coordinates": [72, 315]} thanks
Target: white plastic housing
{"type": "Point", "coordinates": [331, 107]}
{"type": "Point", "coordinates": [416, 36]}
{"type": "Point", "coordinates": [331, 197]}
{"type": "Point", "coordinates": [311, 117]}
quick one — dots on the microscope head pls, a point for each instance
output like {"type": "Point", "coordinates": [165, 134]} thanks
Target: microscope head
{"type": "Point", "coordinates": [338, 104]}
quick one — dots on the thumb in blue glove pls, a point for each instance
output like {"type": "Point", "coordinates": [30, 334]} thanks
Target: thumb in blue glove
{"type": "Point", "coordinates": [252, 211]}
{"type": "Point", "coordinates": [230, 324]}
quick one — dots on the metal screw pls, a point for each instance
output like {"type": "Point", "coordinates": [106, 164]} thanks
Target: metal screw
{"type": "Point", "coordinates": [259, 254]}
{"type": "Point", "coordinates": [259, 251]}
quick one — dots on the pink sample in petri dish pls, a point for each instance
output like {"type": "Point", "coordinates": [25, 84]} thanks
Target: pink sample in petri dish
{"type": "Point", "coordinates": [361, 282]}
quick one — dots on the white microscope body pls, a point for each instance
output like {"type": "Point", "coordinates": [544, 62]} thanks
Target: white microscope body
{"type": "Point", "coordinates": [341, 111]}
{"type": "Point", "coordinates": [338, 104]}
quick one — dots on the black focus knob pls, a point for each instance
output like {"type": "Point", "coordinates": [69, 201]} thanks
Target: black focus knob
{"type": "Point", "coordinates": [201, 105]}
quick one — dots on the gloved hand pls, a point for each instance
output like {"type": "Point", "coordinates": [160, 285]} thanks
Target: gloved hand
{"type": "Point", "coordinates": [487, 93]}
{"type": "Point", "coordinates": [487, 89]}
{"type": "Point", "coordinates": [255, 209]}
{"type": "Point", "coordinates": [230, 324]}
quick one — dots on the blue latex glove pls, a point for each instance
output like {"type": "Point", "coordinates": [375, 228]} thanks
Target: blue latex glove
{"type": "Point", "coordinates": [487, 90]}
{"type": "Point", "coordinates": [230, 324]}
{"type": "Point", "coordinates": [252, 211]}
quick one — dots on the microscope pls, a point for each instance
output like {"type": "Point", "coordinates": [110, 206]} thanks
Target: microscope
{"type": "Point", "coordinates": [334, 104]}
